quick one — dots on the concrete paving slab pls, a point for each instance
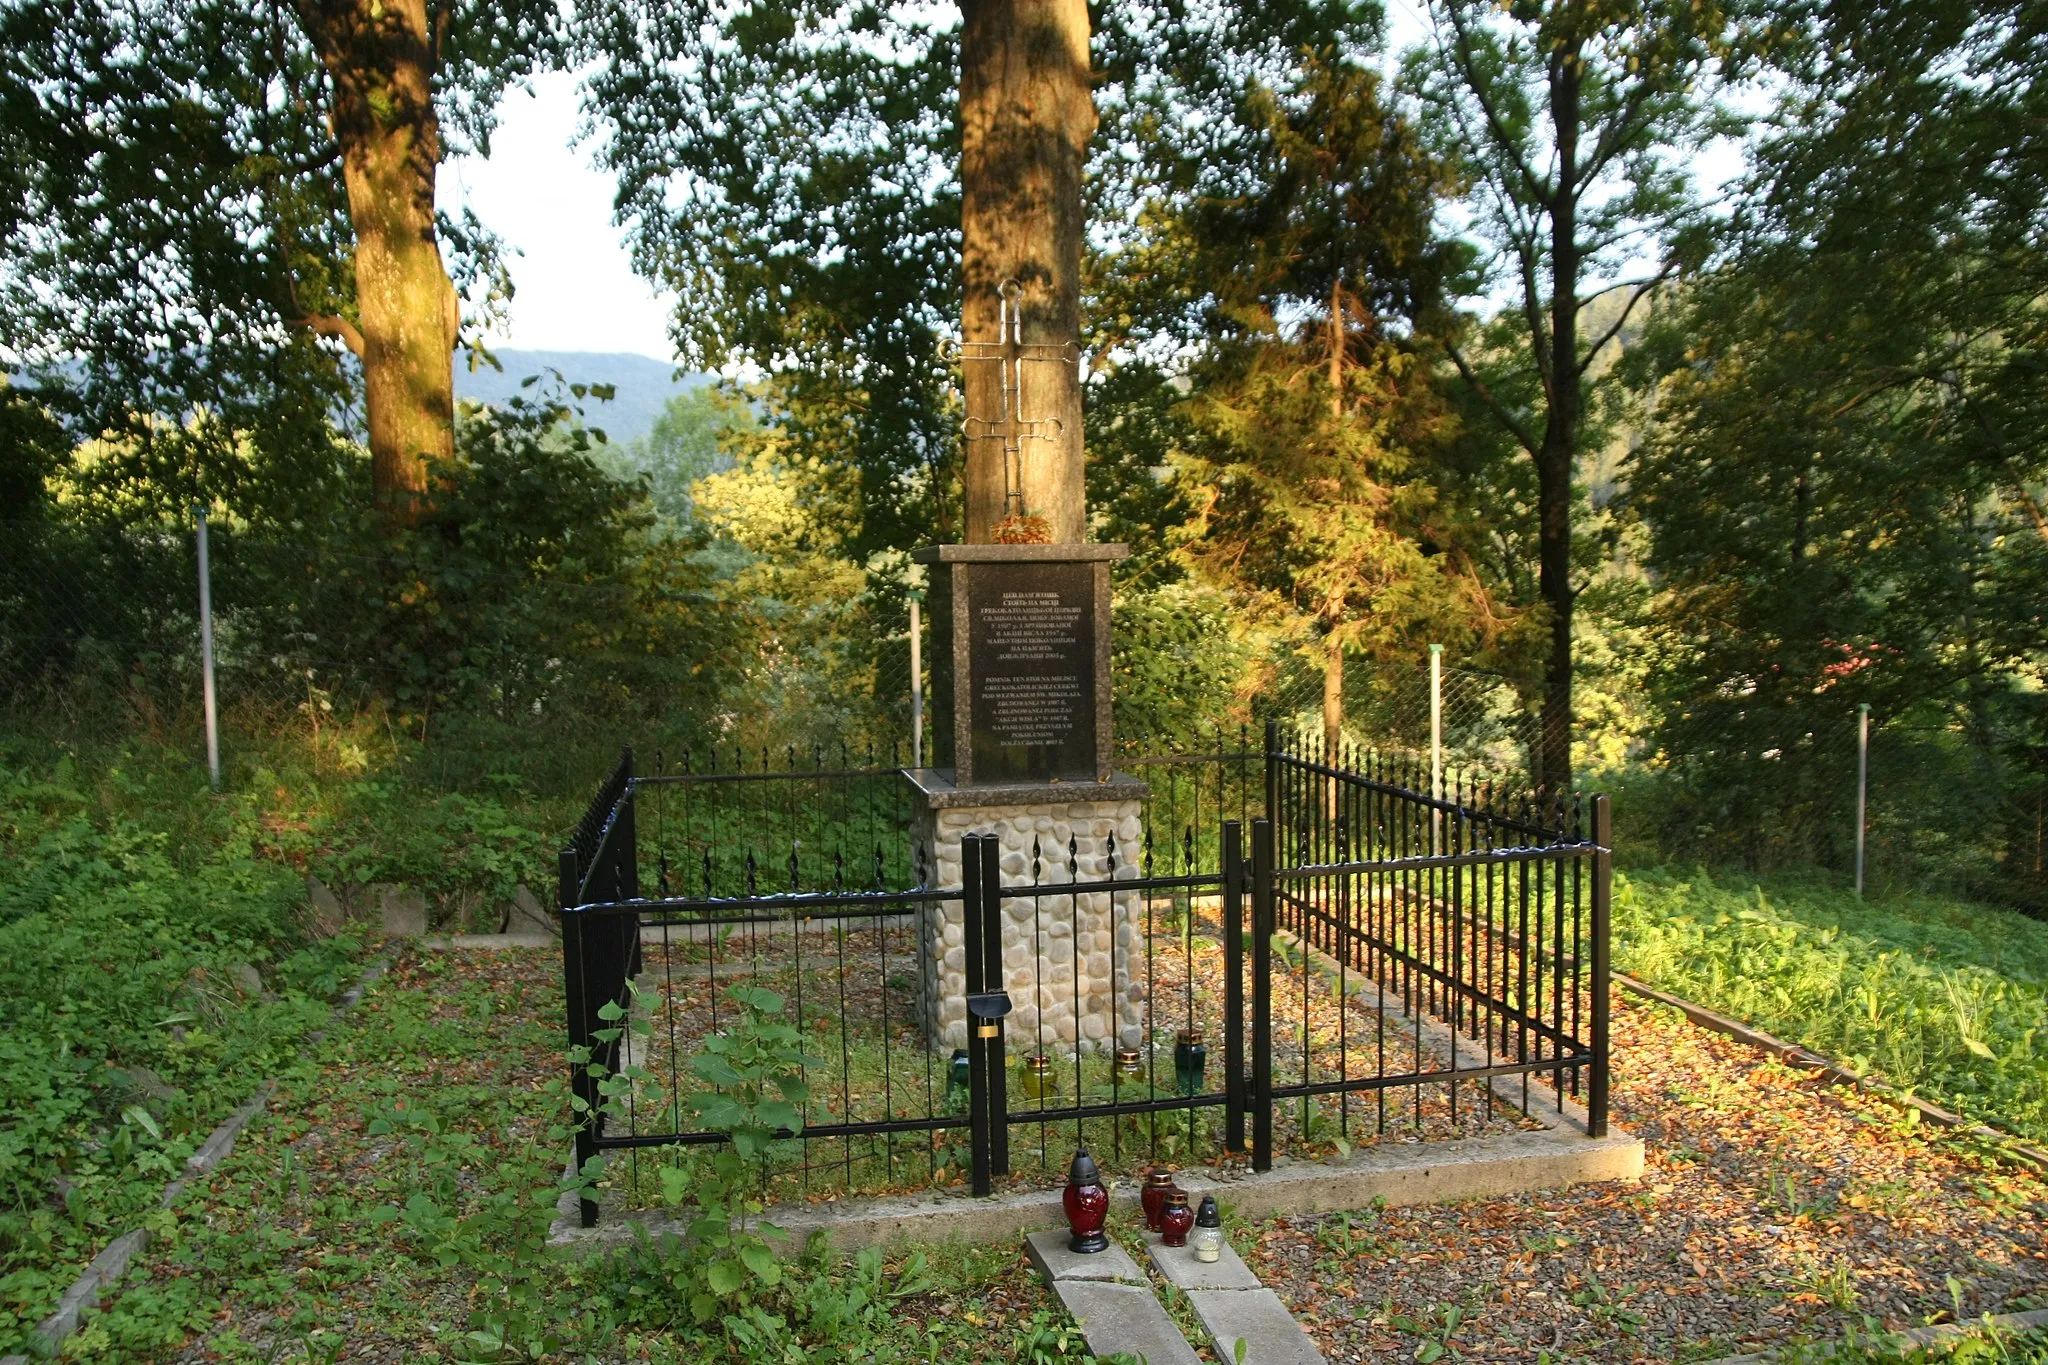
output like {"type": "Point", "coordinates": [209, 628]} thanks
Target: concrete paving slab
{"type": "Point", "coordinates": [1124, 1318]}
{"type": "Point", "coordinates": [1256, 1317]}
{"type": "Point", "coordinates": [1057, 1261]}
{"type": "Point", "coordinates": [1179, 1266]}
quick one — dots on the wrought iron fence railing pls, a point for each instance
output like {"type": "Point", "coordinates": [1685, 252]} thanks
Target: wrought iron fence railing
{"type": "Point", "coordinates": [1367, 956]}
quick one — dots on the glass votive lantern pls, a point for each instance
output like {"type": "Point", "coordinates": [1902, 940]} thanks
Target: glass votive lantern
{"type": "Point", "coordinates": [1176, 1220]}
{"type": "Point", "coordinates": [1190, 1060]}
{"type": "Point", "coordinates": [1206, 1240]}
{"type": "Point", "coordinates": [1086, 1204]}
{"type": "Point", "coordinates": [1129, 1068]}
{"type": "Point", "coordinates": [958, 1081]}
{"type": "Point", "coordinates": [1038, 1078]}
{"type": "Point", "coordinates": [1158, 1185]}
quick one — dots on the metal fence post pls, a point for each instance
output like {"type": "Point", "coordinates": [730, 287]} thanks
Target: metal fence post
{"type": "Point", "coordinates": [1862, 785]}
{"type": "Point", "coordinates": [1233, 986]}
{"type": "Point", "coordinates": [1272, 770]}
{"type": "Point", "coordinates": [1262, 995]}
{"type": "Point", "coordinates": [1436, 736]}
{"type": "Point", "coordinates": [916, 687]}
{"type": "Point", "coordinates": [992, 1032]}
{"type": "Point", "coordinates": [206, 655]}
{"type": "Point", "coordinates": [977, 1063]}
{"type": "Point", "coordinates": [627, 876]}
{"type": "Point", "coordinates": [582, 1085]}
{"type": "Point", "coordinates": [987, 1092]}
{"type": "Point", "coordinates": [1603, 885]}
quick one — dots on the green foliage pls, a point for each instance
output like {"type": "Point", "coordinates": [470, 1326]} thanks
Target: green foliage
{"type": "Point", "coordinates": [1942, 998]}
{"type": "Point", "coordinates": [692, 438]}
{"type": "Point", "coordinates": [1986, 1346]}
{"type": "Point", "coordinates": [536, 583]}
{"type": "Point", "coordinates": [1318, 432]}
{"type": "Point", "coordinates": [1184, 664]}
{"type": "Point", "coordinates": [129, 1018]}
{"type": "Point", "coordinates": [193, 148]}
{"type": "Point", "coordinates": [446, 845]}
{"type": "Point", "coordinates": [1843, 482]}
{"type": "Point", "coordinates": [541, 593]}
{"type": "Point", "coordinates": [1576, 126]}
{"type": "Point", "coordinates": [755, 1071]}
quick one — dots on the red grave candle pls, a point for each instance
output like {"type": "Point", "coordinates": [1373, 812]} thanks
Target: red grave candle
{"type": "Point", "coordinates": [1175, 1222]}
{"type": "Point", "coordinates": [1157, 1186]}
{"type": "Point", "coordinates": [1086, 1202]}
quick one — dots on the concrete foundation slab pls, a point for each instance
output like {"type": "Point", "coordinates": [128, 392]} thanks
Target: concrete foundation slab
{"type": "Point", "coordinates": [1124, 1318]}
{"type": "Point", "coordinates": [1257, 1318]}
{"type": "Point", "coordinates": [1056, 1261]}
{"type": "Point", "coordinates": [1179, 1266]}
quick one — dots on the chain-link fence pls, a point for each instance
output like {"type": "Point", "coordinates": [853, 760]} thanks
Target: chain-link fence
{"type": "Point", "coordinates": [1477, 722]}
{"type": "Point", "coordinates": [540, 674]}
{"type": "Point", "coordinates": [100, 638]}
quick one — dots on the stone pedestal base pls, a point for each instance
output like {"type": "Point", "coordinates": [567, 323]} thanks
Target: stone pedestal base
{"type": "Point", "coordinates": [1072, 963]}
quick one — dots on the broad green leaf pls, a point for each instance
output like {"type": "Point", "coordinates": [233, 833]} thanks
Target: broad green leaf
{"type": "Point", "coordinates": [725, 1277]}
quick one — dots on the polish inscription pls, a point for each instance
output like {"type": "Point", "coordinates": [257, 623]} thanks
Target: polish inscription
{"type": "Point", "coordinates": [1032, 656]}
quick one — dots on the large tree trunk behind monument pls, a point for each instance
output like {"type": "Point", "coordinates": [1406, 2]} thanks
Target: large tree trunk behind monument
{"type": "Point", "coordinates": [1026, 114]}
{"type": "Point", "coordinates": [381, 55]}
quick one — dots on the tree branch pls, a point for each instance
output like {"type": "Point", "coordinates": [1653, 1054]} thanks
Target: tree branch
{"type": "Point", "coordinates": [1533, 315]}
{"type": "Point", "coordinates": [1619, 133]}
{"type": "Point", "coordinates": [1535, 188]}
{"type": "Point", "coordinates": [328, 325]}
{"type": "Point", "coordinates": [1499, 409]}
{"type": "Point", "coordinates": [1626, 309]}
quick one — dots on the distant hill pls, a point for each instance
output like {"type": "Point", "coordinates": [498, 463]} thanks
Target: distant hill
{"type": "Point", "coordinates": [644, 385]}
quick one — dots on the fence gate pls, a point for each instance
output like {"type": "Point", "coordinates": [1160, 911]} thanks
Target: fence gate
{"type": "Point", "coordinates": [1304, 948]}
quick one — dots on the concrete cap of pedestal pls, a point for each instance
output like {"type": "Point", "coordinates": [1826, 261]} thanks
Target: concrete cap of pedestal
{"type": "Point", "coordinates": [936, 786]}
{"type": "Point", "coordinates": [1071, 553]}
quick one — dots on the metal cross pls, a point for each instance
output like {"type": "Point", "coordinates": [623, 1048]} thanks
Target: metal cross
{"type": "Point", "coordinates": [1010, 425]}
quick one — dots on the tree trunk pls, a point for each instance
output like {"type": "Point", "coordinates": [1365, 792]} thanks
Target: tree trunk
{"type": "Point", "coordinates": [1336, 351]}
{"type": "Point", "coordinates": [381, 55]}
{"type": "Point", "coordinates": [1555, 462]}
{"type": "Point", "coordinates": [1026, 114]}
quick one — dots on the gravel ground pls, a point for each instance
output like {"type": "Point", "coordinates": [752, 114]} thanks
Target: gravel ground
{"type": "Point", "coordinates": [1771, 1208]}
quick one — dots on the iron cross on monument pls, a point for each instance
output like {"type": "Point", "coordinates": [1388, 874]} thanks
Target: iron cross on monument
{"type": "Point", "coordinates": [1010, 425]}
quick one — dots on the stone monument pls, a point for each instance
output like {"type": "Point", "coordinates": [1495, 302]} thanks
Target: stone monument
{"type": "Point", "coordinates": [1020, 614]}
{"type": "Point", "coordinates": [1022, 750]}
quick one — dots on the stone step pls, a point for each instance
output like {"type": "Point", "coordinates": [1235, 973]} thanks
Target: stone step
{"type": "Point", "coordinates": [1235, 1308]}
{"type": "Point", "coordinates": [1112, 1300]}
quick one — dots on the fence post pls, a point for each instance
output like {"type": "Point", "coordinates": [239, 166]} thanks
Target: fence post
{"type": "Point", "coordinates": [977, 1057]}
{"type": "Point", "coordinates": [582, 1085]}
{"type": "Point", "coordinates": [916, 687]}
{"type": "Point", "coordinates": [1272, 770]}
{"type": "Point", "coordinates": [1436, 736]}
{"type": "Point", "coordinates": [1262, 995]}
{"type": "Point", "coordinates": [1862, 785]}
{"type": "Point", "coordinates": [1603, 886]}
{"type": "Point", "coordinates": [627, 877]}
{"type": "Point", "coordinates": [206, 654]}
{"type": "Point", "coordinates": [1233, 986]}
{"type": "Point", "coordinates": [992, 1032]}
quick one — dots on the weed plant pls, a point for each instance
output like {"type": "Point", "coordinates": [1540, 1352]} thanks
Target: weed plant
{"type": "Point", "coordinates": [1944, 998]}
{"type": "Point", "coordinates": [147, 985]}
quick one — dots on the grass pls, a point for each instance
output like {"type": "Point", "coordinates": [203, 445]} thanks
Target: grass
{"type": "Point", "coordinates": [1947, 999]}
{"type": "Point", "coordinates": [1988, 1347]}
{"type": "Point", "coordinates": [147, 984]}
{"type": "Point", "coordinates": [393, 1200]}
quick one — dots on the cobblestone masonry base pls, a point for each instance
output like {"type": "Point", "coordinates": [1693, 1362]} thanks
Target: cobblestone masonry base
{"type": "Point", "coordinates": [1071, 963]}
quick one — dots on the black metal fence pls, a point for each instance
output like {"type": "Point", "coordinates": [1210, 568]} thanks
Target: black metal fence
{"type": "Point", "coordinates": [1357, 949]}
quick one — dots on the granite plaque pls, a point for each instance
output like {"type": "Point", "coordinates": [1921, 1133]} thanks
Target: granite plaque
{"type": "Point", "coordinates": [1031, 671]}
{"type": "Point", "coordinates": [1020, 647]}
